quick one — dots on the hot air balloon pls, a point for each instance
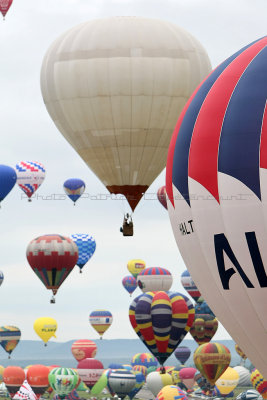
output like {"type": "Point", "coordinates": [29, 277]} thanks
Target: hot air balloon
{"type": "Point", "coordinates": [74, 188]}
{"type": "Point", "coordinates": [244, 375]}
{"type": "Point", "coordinates": [4, 6]}
{"type": "Point", "coordinates": [161, 320]}
{"type": "Point", "coordinates": [155, 381]}
{"type": "Point", "coordinates": [8, 177]}
{"type": "Point", "coordinates": [182, 353]}
{"type": "Point", "coordinates": [227, 381]}
{"type": "Point", "coordinates": [83, 348]}
{"type": "Point", "coordinates": [25, 392]}
{"type": "Point", "coordinates": [171, 392]}
{"type": "Point", "coordinates": [249, 394]}
{"type": "Point", "coordinates": [140, 368]}
{"type": "Point", "coordinates": [13, 378]}
{"type": "Point", "coordinates": [139, 383]}
{"type": "Point", "coordinates": [30, 175]}
{"type": "Point", "coordinates": [154, 279]}
{"type": "Point", "coordinates": [1, 373]}
{"type": "Point", "coordinates": [100, 384]}
{"type": "Point", "coordinates": [90, 370]}
{"type": "Point", "coordinates": [204, 328]}
{"type": "Point", "coordinates": [201, 307]}
{"type": "Point", "coordinates": [161, 195]}
{"type": "Point", "coordinates": [129, 283]}
{"type": "Point", "coordinates": [45, 327]}
{"type": "Point", "coordinates": [120, 123]}
{"type": "Point", "coordinates": [240, 352]}
{"type": "Point", "coordinates": [224, 161]}
{"type": "Point", "coordinates": [187, 376]}
{"type": "Point", "coordinates": [212, 359]}
{"type": "Point", "coordinates": [1, 277]}
{"type": "Point", "coordinates": [122, 382]}
{"type": "Point", "coordinates": [202, 382]}
{"type": "Point", "coordinates": [259, 382]}
{"type": "Point", "coordinates": [145, 359]}
{"type": "Point", "coordinates": [37, 377]}
{"type": "Point", "coordinates": [52, 258]}
{"type": "Point", "coordinates": [189, 286]}
{"type": "Point", "coordinates": [100, 321]}
{"type": "Point", "coordinates": [135, 267]}
{"type": "Point", "coordinates": [63, 380]}
{"type": "Point", "coordinates": [9, 338]}
{"type": "Point", "coordinates": [86, 245]}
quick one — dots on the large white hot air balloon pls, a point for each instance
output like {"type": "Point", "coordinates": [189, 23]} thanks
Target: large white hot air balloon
{"type": "Point", "coordinates": [216, 183]}
{"type": "Point", "coordinates": [114, 88]}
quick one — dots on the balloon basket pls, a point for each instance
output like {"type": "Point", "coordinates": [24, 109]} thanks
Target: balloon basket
{"type": "Point", "coordinates": [53, 300]}
{"type": "Point", "coordinates": [45, 344]}
{"type": "Point", "coordinates": [29, 200]}
{"type": "Point", "coordinates": [81, 271]}
{"type": "Point", "coordinates": [9, 357]}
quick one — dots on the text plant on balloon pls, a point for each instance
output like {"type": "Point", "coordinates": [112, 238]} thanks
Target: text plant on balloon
{"type": "Point", "coordinates": [121, 122]}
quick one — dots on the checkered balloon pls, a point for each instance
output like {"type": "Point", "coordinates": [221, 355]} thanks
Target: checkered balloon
{"type": "Point", "coordinates": [86, 245]}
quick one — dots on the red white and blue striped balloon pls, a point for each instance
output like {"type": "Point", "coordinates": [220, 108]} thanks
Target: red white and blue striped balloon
{"type": "Point", "coordinates": [189, 285]}
{"type": "Point", "coordinates": [30, 175]}
{"type": "Point", "coordinates": [156, 278]}
{"type": "Point", "coordinates": [161, 320]}
{"type": "Point", "coordinates": [100, 321]}
{"type": "Point", "coordinates": [129, 283]}
{"type": "Point", "coordinates": [217, 187]}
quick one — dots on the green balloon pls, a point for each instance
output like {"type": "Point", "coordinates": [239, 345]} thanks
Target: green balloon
{"type": "Point", "coordinates": [63, 380]}
{"type": "Point", "coordinates": [100, 384]}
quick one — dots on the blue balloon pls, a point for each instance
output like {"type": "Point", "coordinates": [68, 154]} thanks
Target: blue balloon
{"type": "Point", "coordinates": [1, 277]}
{"type": "Point", "coordinates": [8, 178]}
{"type": "Point", "coordinates": [203, 308]}
{"type": "Point", "coordinates": [140, 381]}
{"type": "Point", "coordinates": [86, 245]}
{"type": "Point", "coordinates": [74, 188]}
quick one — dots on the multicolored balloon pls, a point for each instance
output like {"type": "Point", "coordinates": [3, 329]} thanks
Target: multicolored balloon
{"type": "Point", "coordinates": [156, 381]}
{"type": "Point", "coordinates": [187, 376]}
{"type": "Point", "coordinates": [4, 6]}
{"type": "Point", "coordinates": [204, 328]}
{"type": "Point", "coordinates": [140, 381]}
{"type": "Point", "coordinates": [154, 279]}
{"type": "Point", "coordinates": [100, 321]}
{"type": "Point", "coordinates": [212, 359]}
{"type": "Point", "coordinates": [162, 196]}
{"type": "Point", "coordinates": [74, 188]}
{"type": "Point", "coordinates": [90, 370]}
{"type": "Point", "coordinates": [129, 283]}
{"type": "Point", "coordinates": [8, 178]}
{"type": "Point", "coordinates": [259, 382]}
{"type": "Point", "coordinates": [86, 245]}
{"type": "Point", "coordinates": [37, 377]}
{"type": "Point", "coordinates": [227, 381]}
{"type": "Point", "coordinates": [9, 338]}
{"type": "Point", "coordinates": [52, 258]}
{"type": "Point", "coordinates": [161, 320]}
{"type": "Point", "coordinates": [83, 348]}
{"type": "Point", "coordinates": [122, 382]}
{"type": "Point", "coordinates": [249, 394]}
{"type": "Point", "coordinates": [202, 307]}
{"type": "Point", "coordinates": [145, 359]}
{"type": "Point", "coordinates": [189, 285]}
{"type": "Point", "coordinates": [30, 176]}
{"type": "Point", "coordinates": [45, 328]}
{"type": "Point", "coordinates": [171, 392]}
{"type": "Point", "coordinates": [216, 181]}
{"type": "Point", "coordinates": [63, 380]}
{"type": "Point", "coordinates": [140, 368]}
{"type": "Point", "coordinates": [13, 378]}
{"type": "Point", "coordinates": [182, 353]}
{"type": "Point", "coordinates": [240, 352]}
{"type": "Point", "coordinates": [135, 267]}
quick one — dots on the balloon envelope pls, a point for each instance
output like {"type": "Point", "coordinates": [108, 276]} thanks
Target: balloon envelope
{"type": "Point", "coordinates": [218, 174]}
{"type": "Point", "coordinates": [182, 353]}
{"type": "Point", "coordinates": [8, 178]}
{"type": "Point", "coordinates": [171, 392]}
{"type": "Point", "coordinates": [120, 123]}
{"type": "Point", "coordinates": [122, 382]}
{"type": "Point", "coordinates": [189, 285]}
{"type": "Point", "coordinates": [259, 382]}
{"type": "Point", "coordinates": [90, 370]}
{"type": "Point", "coordinates": [154, 279]}
{"type": "Point", "coordinates": [136, 266]}
{"type": "Point", "coordinates": [100, 321]}
{"type": "Point", "coordinates": [63, 380]}
{"type": "Point", "coordinates": [145, 359]}
{"type": "Point", "coordinates": [37, 377]}
{"type": "Point", "coordinates": [156, 381]}
{"type": "Point", "coordinates": [244, 375]}
{"type": "Point", "coordinates": [9, 337]}
{"type": "Point", "coordinates": [13, 378]}
{"type": "Point", "coordinates": [129, 283]}
{"type": "Point", "coordinates": [45, 327]}
{"type": "Point", "coordinates": [161, 195]}
{"type": "Point", "coordinates": [86, 246]}
{"type": "Point", "coordinates": [204, 328]}
{"type": "Point", "coordinates": [4, 6]}
{"type": "Point", "coordinates": [74, 188]}
{"type": "Point", "coordinates": [30, 175]}
{"type": "Point", "coordinates": [227, 381]}
{"type": "Point", "coordinates": [83, 348]}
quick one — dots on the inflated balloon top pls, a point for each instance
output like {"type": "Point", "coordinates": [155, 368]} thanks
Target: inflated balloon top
{"type": "Point", "coordinates": [161, 320]}
{"type": "Point", "coordinates": [86, 245]}
{"type": "Point", "coordinates": [216, 183]}
{"type": "Point", "coordinates": [100, 320]}
{"type": "Point", "coordinates": [74, 188]}
{"type": "Point", "coordinates": [182, 353]}
{"type": "Point", "coordinates": [153, 279]}
{"type": "Point", "coordinates": [45, 327]}
{"type": "Point", "coordinates": [146, 359]}
{"type": "Point", "coordinates": [136, 266]}
{"type": "Point", "coordinates": [171, 392]}
{"type": "Point", "coordinates": [204, 328]}
{"type": "Point", "coordinates": [30, 175]}
{"type": "Point", "coordinates": [122, 382]}
{"type": "Point", "coordinates": [121, 122]}
{"type": "Point", "coordinates": [63, 380]}
{"type": "Point", "coordinates": [52, 258]}
{"type": "Point", "coordinates": [13, 378]}
{"type": "Point", "coordinates": [83, 348]}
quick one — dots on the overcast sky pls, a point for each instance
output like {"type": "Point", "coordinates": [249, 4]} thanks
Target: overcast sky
{"type": "Point", "coordinates": [28, 133]}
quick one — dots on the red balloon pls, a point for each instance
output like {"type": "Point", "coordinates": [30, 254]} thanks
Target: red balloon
{"type": "Point", "coordinates": [162, 196]}
{"type": "Point", "coordinates": [37, 377]}
{"type": "Point", "coordinates": [52, 258]}
{"type": "Point", "coordinates": [4, 6]}
{"type": "Point", "coordinates": [83, 348]}
{"type": "Point", "coordinates": [13, 378]}
{"type": "Point", "coordinates": [90, 371]}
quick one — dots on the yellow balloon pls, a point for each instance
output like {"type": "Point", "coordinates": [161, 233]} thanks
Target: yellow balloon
{"type": "Point", "coordinates": [136, 266]}
{"type": "Point", "coordinates": [1, 373]}
{"type": "Point", "coordinates": [227, 381]}
{"type": "Point", "coordinates": [45, 328]}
